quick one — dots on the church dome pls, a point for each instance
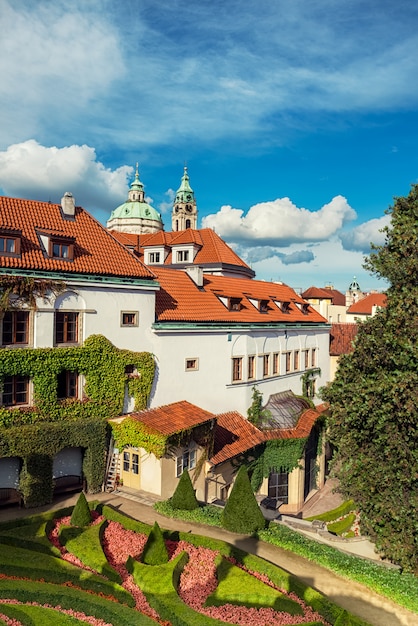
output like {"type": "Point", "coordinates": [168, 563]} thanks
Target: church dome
{"type": "Point", "coordinates": [135, 215]}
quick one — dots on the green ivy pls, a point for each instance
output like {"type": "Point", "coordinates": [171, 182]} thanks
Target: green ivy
{"type": "Point", "coordinates": [132, 432]}
{"type": "Point", "coordinates": [37, 433]}
{"type": "Point", "coordinates": [103, 367]}
{"type": "Point", "coordinates": [277, 455]}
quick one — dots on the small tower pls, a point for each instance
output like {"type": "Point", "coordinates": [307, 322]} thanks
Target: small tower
{"type": "Point", "coordinates": [354, 293]}
{"type": "Point", "coordinates": [184, 214]}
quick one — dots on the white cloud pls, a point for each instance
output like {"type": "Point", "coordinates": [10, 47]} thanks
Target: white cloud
{"type": "Point", "coordinates": [280, 222]}
{"type": "Point", "coordinates": [45, 173]}
{"type": "Point", "coordinates": [166, 206]}
{"type": "Point", "coordinates": [56, 62]}
{"type": "Point", "coordinates": [370, 232]}
{"type": "Point", "coordinates": [332, 265]}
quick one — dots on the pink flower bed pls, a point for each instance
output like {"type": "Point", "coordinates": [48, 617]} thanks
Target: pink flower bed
{"type": "Point", "coordinates": [197, 581]}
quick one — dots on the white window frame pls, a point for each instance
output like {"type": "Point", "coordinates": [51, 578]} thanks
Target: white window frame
{"type": "Point", "coordinates": [186, 460]}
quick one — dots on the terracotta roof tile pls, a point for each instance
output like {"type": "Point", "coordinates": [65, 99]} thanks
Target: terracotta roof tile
{"type": "Point", "coordinates": [336, 296]}
{"type": "Point", "coordinates": [341, 338]}
{"type": "Point", "coordinates": [366, 304]}
{"type": "Point", "coordinates": [180, 299]}
{"type": "Point", "coordinates": [213, 250]}
{"type": "Point", "coordinates": [96, 251]}
{"type": "Point", "coordinates": [234, 435]}
{"type": "Point", "coordinates": [173, 418]}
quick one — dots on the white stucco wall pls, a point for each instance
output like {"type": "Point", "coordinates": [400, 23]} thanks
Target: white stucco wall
{"type": "Point", "coordinates": [100, 309]}
{"type": "Point", "coordinates": [210, 386]}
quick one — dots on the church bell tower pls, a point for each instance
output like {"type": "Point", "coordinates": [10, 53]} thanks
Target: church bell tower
{"type": "Point", "coordinates": [184, 213]}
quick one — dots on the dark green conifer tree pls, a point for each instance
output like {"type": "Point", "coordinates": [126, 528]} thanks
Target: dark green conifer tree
{"type": "Point", "coordinates": [184, 497]}
{"type": "Point", "coordinates": [81, 515]}
{"type": "Point", "coordinates": [242, 513]}
{"type": "Point", "coordinates": [155, 551]}
{"type": "Point", "coordinates": [373, 399]}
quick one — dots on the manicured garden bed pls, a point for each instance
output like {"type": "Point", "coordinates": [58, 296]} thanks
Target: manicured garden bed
{"type": "Point", "coordinates": [53, 572]}
{"type": "Point", "coordinates": [401, 587]}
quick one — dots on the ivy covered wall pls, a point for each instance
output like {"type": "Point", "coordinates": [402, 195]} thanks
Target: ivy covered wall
{"type": "Point", "coordinates": [37, 433]}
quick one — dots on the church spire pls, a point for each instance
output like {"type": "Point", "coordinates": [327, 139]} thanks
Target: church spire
{"type": "Point", "coordinates": [184, 213]}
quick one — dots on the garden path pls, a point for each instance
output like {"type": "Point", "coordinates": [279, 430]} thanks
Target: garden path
{"type": "Point", "coordinates": [369, 606]}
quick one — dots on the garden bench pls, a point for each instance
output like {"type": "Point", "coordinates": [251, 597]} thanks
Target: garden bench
{"type": "Point", "coordinates": [67, 484]}
{"type": "Point", "coordinates": [9, 495]}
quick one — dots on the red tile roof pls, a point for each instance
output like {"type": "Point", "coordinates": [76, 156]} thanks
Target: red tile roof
{"type": "Point", "coordinates": [212, 249]}
{"type": "Point", "coordinates": [235, 435]}
{"type": "Point", "coordinates": [366, 304]}
{"type": "Point", "coordinates": [341, 338]}
{"type": "Point", "coordinates": [180, 299]}
{"type": "Point", "coordinates": [173, 418]}
{"type": "Point", "coordinates": [95, 250]}
{"type": "Point", "coordinates": [325, 293]}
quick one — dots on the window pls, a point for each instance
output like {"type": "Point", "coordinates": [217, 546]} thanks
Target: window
{"type": "Point", "coordinates": [288, 361]}
{"type": "Point", "coordinates": [9, 246]}
{"type": "Point", "coordinates": [296, 360]}
{"type": "Point", "coordinates": [15, 390]}
{"type": "Point", "coordinates": [306, 354]}
{"type": "Point", "coordinates": [266, 364]}
{"type": "Point", "coordinates": [61, 249]}
{"type": "Point", "coordinates": [66, 327]}
{"type": "Point", "coordinates": [251, 367]}
{"type": "Point", "coordinates": [15, 328]}
{"type": "Point", "coordinates": [129, 318]}
{"type": "Point", "coordinates": [153, 257]}
{"type": "Point", "coordinates": [234, 304]}
{"type": "Point", "coordinates": [67, 385]}
{"type": "Point", "coordinates": [135, 464]}
{"type": "Point", "coordinates": [192, 364]}
{"type": "Point", "coordinates": [188, 223]}
{"type": "Point", "coordinates": [263, 306]}
{"type": "Point", "coordinates": [182, 255]}
{"type": "Point", "coordinates": [276, 363]}
{"type": "Point", "coordinates": [185, 461]}
{"type": "Point", "coordinates": [313, 357]}
{"type": "Point", "coordinates": [278, 487]}
{"type": "Point", "coordinates": [236, 368]}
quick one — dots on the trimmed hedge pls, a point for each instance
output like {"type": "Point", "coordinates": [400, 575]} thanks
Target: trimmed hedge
{"type": "Point", "coordinates": [242, 513]}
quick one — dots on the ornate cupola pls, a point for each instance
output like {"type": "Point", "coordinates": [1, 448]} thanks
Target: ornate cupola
{"type": "Point", "coordinates": [184, 213]}
{"type": "Point", "coordinates": [135, 216]}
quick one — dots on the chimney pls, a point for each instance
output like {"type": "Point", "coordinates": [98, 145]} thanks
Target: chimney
{"type": "Point", "coordinates": [68, 204]}
{"type": "Point", "coordinates": [196, 274]}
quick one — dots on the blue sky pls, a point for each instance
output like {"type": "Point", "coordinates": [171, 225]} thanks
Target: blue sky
{"type": "Point", "coordinates": [297, 119]}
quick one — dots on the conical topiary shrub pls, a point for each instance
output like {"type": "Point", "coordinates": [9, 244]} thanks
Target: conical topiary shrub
{"type": "Point", "coordinates": [155, 552]}
{"type": "Point", "coordinates": [242, 513]}
{"type": "Point", "coordinates": [184, 497]}
{"type": "Point", "coordinates": [81, 515]}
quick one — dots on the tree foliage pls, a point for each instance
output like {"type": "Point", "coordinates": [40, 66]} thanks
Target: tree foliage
{"type": "Point", "coordinates": [373, 400]}
{"type": "Point", "coordinates": [242, 513]}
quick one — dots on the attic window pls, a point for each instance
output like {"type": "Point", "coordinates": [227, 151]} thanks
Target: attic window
{"type": "Point", "coordinates": [182, 256]}
{"type": "Point", "coordinates": [10, 243]}
{"type": "Point", "coordinates": [284, 306]}
{"type": "Point", "coordinates": [234, 304]}
{"type": "Point", "coordinates": [303, 306]}
{"type": "Point", "coordinates": [263, 306]}
{"type": "Point", "coordinates": [61, 248]}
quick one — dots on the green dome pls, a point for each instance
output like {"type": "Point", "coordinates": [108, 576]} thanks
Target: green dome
{"type": "Point", "coordinates": [135, 209]}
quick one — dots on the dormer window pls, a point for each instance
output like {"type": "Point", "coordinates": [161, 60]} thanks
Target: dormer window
{"type": "Point", "coordinates": [182, 256]}
{"type": "Point", "coordinates": [153, 257]}
{"type": "Point", "coordinates": [263, 306]}
{"type": "Point", "coordinates": [284, 306]}
{"type": "Point", "coordinates": [234, 304]}
{"type": "Point", "coordinates": [10, 243]}
{"type": "Point", "coordinates": [303, 306]}
{"type": "Point", "coordinates": [61, 250]}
